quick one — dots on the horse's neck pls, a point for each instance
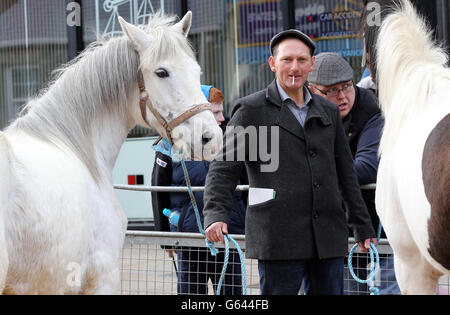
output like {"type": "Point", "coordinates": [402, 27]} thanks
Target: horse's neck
{"type": "Point", "coordinates": [409, 66]}
{"type": "Point", "coordinates": [108, 135]}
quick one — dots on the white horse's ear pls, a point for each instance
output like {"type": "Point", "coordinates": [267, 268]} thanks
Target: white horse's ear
{"type": "Point", "coordinates": [137, 37]}
{"type": "Point", "coordinates": [185, 24]}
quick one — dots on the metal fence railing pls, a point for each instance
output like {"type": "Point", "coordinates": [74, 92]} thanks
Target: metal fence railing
{"type": "Point", "coordinates": [147, 268]}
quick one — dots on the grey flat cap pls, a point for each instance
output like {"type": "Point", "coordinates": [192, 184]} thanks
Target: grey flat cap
{"type": "Point", "coordinates": [330, 69]}
{"type": "Point", "coordinates": [292, 33]}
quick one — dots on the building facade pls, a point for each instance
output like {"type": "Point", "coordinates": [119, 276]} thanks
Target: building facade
{"type": "Point", "coordinates": [230, 38]}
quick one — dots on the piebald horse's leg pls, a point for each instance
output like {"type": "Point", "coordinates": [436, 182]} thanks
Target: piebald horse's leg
{"type": "Point", "coordinates": [415, 275]}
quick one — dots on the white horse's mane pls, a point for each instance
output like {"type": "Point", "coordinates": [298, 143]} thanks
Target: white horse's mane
{"type": "Point", "coordinates": [97, 82]}
{"type": "Point", "coordinates": [158, 28]}
{"type": "Point", "coordinates": [408, 67]}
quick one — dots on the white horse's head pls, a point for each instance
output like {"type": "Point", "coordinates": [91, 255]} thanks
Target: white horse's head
{"type": "Point", "coordinates": [172, 80]}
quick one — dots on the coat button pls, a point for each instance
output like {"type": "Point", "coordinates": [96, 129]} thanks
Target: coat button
{"type": "Point", "coordinates": [315, 215]}
{"type": "Point", "coordinates": [316, 185]}
{"type": "Point", "coordinates": [312, 153]}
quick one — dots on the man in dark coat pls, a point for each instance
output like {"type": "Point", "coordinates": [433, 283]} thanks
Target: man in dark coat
{"type": "Point", "coordinates": [295, 223]}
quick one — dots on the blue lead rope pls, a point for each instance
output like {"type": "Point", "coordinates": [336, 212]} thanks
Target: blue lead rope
{"type": "Point", "coordinates": [374, 265]}
{"type": "Point", "coordinates": [209, 244]}
{"type": "Point", "coordinates": [165, 148]}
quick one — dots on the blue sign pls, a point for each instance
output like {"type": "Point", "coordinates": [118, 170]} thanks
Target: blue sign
{"type": "Point", "coordinates": [258, 22]}
{"type": "Point", "coordinates": [321, 21]}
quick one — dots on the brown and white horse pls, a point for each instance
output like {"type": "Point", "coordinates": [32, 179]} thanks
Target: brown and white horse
{"type": "Point", "coordinates": [413, 184]}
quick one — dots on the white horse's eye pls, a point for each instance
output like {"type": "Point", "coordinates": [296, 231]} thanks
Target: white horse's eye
{"type": "Point", "coordinates": [162, 73]}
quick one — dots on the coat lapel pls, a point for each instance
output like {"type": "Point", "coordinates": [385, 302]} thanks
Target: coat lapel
{"type": "Point", "coordinates": [316, 111]}
{"type": "Point", "coordinates": [285, 119]}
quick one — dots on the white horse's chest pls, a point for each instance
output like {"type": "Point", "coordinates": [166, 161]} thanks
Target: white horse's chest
{"type": "Point", "coordinates": [55, 202]}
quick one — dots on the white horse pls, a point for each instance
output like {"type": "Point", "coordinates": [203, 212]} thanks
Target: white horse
{"type": "Point", "coordinates": [61, 225]}
{"type": "Point", "coordinates": [413, 184]}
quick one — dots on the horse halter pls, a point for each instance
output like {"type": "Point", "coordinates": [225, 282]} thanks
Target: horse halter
{"type": "Point", "coordinates": [144, 102]}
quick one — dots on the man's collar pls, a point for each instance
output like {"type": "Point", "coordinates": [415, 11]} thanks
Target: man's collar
{"type": "Point", "coordinates": [284, 96]}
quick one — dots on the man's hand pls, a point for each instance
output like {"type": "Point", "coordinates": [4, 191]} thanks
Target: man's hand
{"type": "Point", "coordinates": [170, 252]}
{"type": "Point", "coordinates": [215, 232]}
{"type": "Point", "coordinates": [365, 246]}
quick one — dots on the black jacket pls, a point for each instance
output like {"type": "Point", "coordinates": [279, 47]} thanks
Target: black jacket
{"type": "Point", "coordinates": [306, 219]}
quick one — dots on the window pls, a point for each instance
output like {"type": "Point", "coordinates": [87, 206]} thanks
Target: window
{"type": "Point", "coordinates": [21, 83]}
{"type": "Point", "coordinates": [231, 39]}
{"type": "Point", "coordinates": [33, 42]}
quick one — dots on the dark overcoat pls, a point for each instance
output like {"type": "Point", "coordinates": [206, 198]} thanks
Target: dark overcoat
{"type": "Point", "coordinates": [306, 218]}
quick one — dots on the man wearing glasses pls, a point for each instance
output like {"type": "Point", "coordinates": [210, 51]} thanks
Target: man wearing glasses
{"type": "Point", "coordinates": [332, 78]}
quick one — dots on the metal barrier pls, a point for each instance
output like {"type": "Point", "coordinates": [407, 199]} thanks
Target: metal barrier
{"type": "Point", "coordinates": [194, 188]}
{"type": "Point", "coordinates": [147, 269]}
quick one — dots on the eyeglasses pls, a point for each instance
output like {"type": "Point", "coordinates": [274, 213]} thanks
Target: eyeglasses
{"type": "Point", "coordinates": [335, 92]}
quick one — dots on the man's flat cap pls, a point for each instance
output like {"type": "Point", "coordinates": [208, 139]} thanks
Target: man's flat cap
{"type": "Point", "coordinates": [330, 69]}
{"type": "Point", "coordinates": [292, 33]}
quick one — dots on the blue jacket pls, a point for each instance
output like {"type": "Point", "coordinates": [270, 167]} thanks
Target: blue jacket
{"type": "Point", "coordinates": [167, 173]}
{"type": "Point", "coordinates": [363, 126]}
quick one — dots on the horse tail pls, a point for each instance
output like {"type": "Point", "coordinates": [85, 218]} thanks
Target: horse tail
{"type": "Point", "coordinates": [409, 65]}
{"type": "Point", "coordinates": [5, 186]}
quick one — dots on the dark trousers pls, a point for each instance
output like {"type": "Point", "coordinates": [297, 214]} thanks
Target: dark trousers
{"type": "Point", "coordinates": [285, 277]}
{"type": "Point", "coordinates": [196, 266]}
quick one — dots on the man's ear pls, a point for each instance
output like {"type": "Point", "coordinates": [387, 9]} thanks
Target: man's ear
{"type": "Point", "coordinates": [136, 36]}
{"type": "Point", "coordinates": [272, 64]}
{"type": "Point", "coordinates": [313, 58]}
